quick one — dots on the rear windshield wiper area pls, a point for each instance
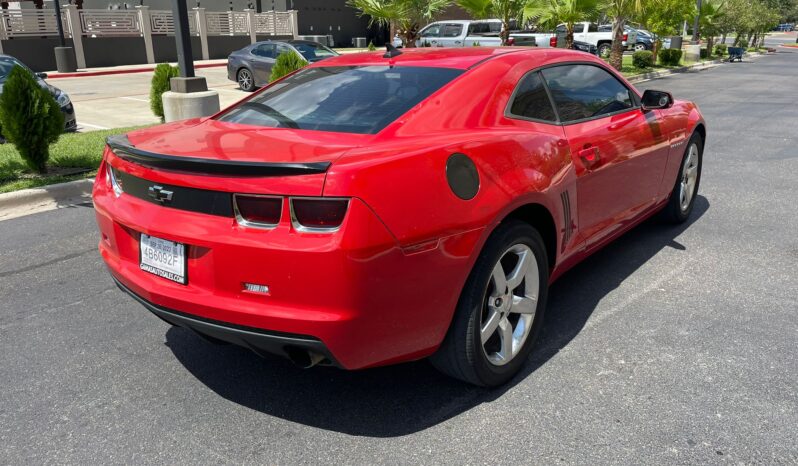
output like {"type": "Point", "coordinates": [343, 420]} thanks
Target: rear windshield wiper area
{"type": "Point", "coordinates": [124, 149]}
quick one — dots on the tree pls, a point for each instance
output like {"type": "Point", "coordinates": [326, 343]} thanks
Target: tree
{"type": "Point", "coordinates": [665, 17]}
{"type": "Point", "coordinates": [30, 118]}
{"type": "Point", "coordinates": [708, 20]}
{"type": "Point", "coordinates": [286, 63]}
{"type": "Point", "coordinates": [161, 77]}
{"type": "Point", "coordinates": [407, 15]}
{"type": "Point", "coordinates": [553, 12]}
{"type": "Point", "coordinates": [621, 11]}
{"type": "Point", "coordinates": [505, 10]}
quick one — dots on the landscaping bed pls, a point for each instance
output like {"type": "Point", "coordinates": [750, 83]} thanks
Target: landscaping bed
{"type": "Point", "coordinates": [73, 156]}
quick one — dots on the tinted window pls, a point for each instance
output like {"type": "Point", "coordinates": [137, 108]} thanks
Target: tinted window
{"type": "Point", "coordinates": [433, 30]}
{"type": "Point", "coordinates": [531, 100]}
{"type": "Point", "coordinates": [585, 91]}
{"type": "Point", "coordinates": [264, 51]}
{"type": "Point", "coordinates": [343, 99]}
{"type": "Point", "coordinates": [313, 52]}
{"type": "Point", "coordinates": [561, 29]}
{"type": "Point", "coordinates": [452, 30]}
{"type": "Point", "coordinates": [6, 65]}
{"type": "Point", "coordinates": [592, 27]}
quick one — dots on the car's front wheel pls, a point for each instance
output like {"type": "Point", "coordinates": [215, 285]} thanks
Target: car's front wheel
{"type": "Point", "coordinates": [500, 310]}
{"type": "Point", "coordinates": [604, 50]}
{"type": "Point", "coordinates": [685, 190]}
{"type": "Point", "coordinates": [246, 81]}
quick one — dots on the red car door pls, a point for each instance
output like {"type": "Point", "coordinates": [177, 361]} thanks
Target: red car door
{"type": "Point", "coordinates": [618, 150]}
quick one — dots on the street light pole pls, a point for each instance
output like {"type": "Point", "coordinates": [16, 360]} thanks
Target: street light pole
{"type": "Point", "coordinates": [58, 24]}
{"type": "Point", "coordinates": [185, 60]}
{"type": "Point", "coordinates": [65, 61]}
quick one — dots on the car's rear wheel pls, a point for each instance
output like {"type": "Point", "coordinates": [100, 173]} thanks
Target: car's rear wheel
{"type": "Point", "coordinates": [500, 310]}
{"type": "Point", "coordinates": [246, 81]}
{"type": "Point", "coordinates": [639, 47]}
{"type": "Point", "coordinates": [685, 190]}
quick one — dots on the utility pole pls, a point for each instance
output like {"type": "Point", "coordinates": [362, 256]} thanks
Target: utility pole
{"type": "Point", "coordinates": [65, 60]}
{"type": "Point", "coordinates": [185, 60]}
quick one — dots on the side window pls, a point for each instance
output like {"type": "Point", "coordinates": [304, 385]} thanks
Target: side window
{"type": "Point", "coordinates": [264, 51]}
{"type": "Point", "coordinates": [586, 91]}
{"type": "Point", "coordinates": [433, 30]}
{"type": "Point", "coordinates": [281, 49]}
{"type": "Point", "coordinates": [452, 30]}
{"type": "Point", "coordinates": [592, 27]}
{"type": "Point", "coordinates": [531, 100]}
{"type": "Point", "coordinates": [561, 29]}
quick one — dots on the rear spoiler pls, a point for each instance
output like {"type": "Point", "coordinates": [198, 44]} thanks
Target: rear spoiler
{"type": "Point", "coordinates": [123, 149]}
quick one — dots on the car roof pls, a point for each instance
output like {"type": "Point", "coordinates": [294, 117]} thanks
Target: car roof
{"type": "Point", "coordinates": [442, 57]}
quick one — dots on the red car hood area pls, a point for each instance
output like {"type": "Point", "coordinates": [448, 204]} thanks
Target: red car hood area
{"type": "Point", "coordinates": [211, 139]}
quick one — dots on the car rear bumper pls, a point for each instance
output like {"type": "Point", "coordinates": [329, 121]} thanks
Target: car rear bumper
{"type": "Point", "coordinates": [261, 342]}
{"type": "Point", "coordinates": [367, 300]}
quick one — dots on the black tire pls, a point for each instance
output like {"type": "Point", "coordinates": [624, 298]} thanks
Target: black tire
{"type": "Point", "coordinates": [245, 79]}
{"type": "Point", "coordinates": [675, 210]}
{"type": "Point", "coordinates": [604, 50]}
{"type": "Point", "coordinates": [462, 354]}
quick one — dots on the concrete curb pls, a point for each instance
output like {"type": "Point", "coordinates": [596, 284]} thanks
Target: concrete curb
{"type": "Point", "coordinates": [663, 73]}
{"type": "Point", "coordinates": [26, 201]}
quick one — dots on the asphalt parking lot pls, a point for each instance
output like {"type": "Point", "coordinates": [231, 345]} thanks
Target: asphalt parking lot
{"type": "Point", "coordinates": [120, 100]}
{"type": "Point", "coordinates": [672, 345]}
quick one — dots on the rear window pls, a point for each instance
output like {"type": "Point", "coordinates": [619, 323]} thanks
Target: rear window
{"type": "Point", "coordinates": [360, 100]}
{"type": "Point", "coordinates": [313, 52]}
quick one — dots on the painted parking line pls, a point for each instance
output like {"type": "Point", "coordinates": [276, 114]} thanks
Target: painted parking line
{"type": "Point", "coordinates": [93, 126]}
{"type": "Point", "coordinates": [135, 98]}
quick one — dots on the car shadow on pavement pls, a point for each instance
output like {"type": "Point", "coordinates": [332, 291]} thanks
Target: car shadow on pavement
{"type": "Point", "coordinates": [407, 398]}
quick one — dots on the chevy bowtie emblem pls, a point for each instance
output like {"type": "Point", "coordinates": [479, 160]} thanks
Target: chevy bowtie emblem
{"type": "Point", "coordinates": [159, 194]}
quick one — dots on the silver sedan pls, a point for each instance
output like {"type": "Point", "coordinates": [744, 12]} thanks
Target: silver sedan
{"type": "Point", "coordinates": [251, 66]}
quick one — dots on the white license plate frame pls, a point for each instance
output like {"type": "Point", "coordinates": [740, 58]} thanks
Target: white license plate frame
{"type": "Point", "coordinates": [177, 271]}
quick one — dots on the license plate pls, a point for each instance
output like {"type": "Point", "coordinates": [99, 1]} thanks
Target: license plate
{"type": "Point", "coordinates": [164, 258]}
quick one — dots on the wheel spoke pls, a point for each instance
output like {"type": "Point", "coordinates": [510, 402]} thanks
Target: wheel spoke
{"type": "Point", "coordinates": [506, 334]}
{"type": "Point", "coordinates": [489, 327]}
{"type": "Point", "coordinates": [499, 280]}
{"type": "Point", "coordinates": [525, 259]}
{"type": "Point", "coordinates": [524, 305]}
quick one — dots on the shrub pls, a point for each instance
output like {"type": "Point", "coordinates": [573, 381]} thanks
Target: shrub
{"type": "Point", "coordinates": [721, 49]}
{"type": "Point", "coordinates": [372, 47]}
{"type": "Point", "coordinates": [286, 63]}
{"type": "Point", "coordinates": [643, 59]}
{"type": "Point", "coordinates": [30, 118]}
{"type": "Point", "coordinates": [670, 57]}
{"type": "Point", "coordinates": [160, 84]}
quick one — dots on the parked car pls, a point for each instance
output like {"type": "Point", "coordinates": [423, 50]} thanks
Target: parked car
{"type": "Point", "coordinates": [466, 33]}
{"type": "Point", "coordinates": [369, 210]}
{"type": "Point", "coordinates": [590, 33]}
{"type": "Point", "coordinates": [585, 47]}
{"type": "Point", "coordinates": [645, 40]}
{"type": "Point", "coordinates": [785, 27]}
{"type": "Point", "coordinates": [8, 62]}
{"type": "Point", "coordinates": [251, 66]}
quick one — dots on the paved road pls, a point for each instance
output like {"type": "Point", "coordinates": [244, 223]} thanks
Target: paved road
{"type": "Point", "coordinates": [118, 100]}
{"type": "Point", "coordinates": [673, 345]}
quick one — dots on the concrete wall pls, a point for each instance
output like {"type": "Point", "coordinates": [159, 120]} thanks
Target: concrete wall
{"type": "Point", "coordinates": [114, 51]}
{"type": "Point", "coordinates": [165, 49]}
{"type": "Point", "coordinates": [35, 52]}
{"type": "Point", "coordinates": [221, 46]}
{"type": "Point", "coordinates": [323, 17]}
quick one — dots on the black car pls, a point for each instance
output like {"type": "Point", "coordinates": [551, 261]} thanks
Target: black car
{"type": "Point", "coordinates": [8, 62]}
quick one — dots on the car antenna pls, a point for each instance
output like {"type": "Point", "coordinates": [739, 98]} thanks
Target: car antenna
{"type": "Point", "coordinates": [391, 51]}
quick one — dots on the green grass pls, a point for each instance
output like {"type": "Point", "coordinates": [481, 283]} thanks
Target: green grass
{"type": "Point", "coordinates": [629, 71]}
{"type": "Point", "coordinates": [73, 150]}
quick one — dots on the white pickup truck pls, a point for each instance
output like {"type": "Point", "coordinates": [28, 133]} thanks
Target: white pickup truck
{"type": "Point", "coordinates": [465, 33]}
{"type": "Point", "coordinates": [589, 32]}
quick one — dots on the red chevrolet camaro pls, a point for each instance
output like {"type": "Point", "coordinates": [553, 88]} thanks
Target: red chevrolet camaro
{"type": "Point", "coordinates": [372, 209]}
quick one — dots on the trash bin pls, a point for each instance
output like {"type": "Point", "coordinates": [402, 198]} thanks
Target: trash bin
{"type": "Point", "coordinates": [360, 42]}
{"type": "Point", "coordinates": [676, 42]}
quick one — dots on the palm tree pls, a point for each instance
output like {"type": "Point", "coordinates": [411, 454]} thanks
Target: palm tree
{"type": "Point", "coordinates": [709, 18]}
{"type": "Point", "coordinates": [406, 15]}
{"type": "Point", "coordinates": [620, 11]}
{"type": "Point", "coordinates": [506, 10]}
{"type": "Point", "coordinates": [553, 12]}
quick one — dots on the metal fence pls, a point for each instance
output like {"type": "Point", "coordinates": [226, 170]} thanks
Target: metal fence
{"type": "Point", "coordinates": [121, 23]}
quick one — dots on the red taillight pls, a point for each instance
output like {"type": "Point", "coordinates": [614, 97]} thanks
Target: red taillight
{"type": "Point", "coordinates": [625, 37]}
{"type": "Point", "coordinates": [258, 211]}
{"type": "Point", "coordinates": [553, 42]}
{"type": "Point", "coordinates": [319, 215]}
{"type": "Point", "coordinates": [510, 41]}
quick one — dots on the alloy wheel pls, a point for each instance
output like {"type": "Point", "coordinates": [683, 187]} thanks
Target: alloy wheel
{"type": "Point", "coordinates": [510, 304]}
{"type": "Point", "coordinates": [640, 47]}
{"type": "Point", "coordinates": [689, 177]}
{"type": "Point", "coordinates": [245, 79]}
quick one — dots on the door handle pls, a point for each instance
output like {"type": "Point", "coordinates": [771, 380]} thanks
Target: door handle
{"type": "Point", "coordinates": [590, 156]}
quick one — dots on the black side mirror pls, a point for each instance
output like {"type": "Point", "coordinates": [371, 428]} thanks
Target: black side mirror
{"type": "Point", "coordinates": [41, 75]}
{"type": "Point", "coordinates": [656, 99]}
